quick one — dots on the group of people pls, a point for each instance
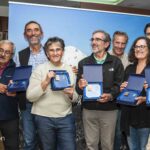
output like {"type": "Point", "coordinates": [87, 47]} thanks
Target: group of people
{"type": "Point", "coordinates": [46, 115]}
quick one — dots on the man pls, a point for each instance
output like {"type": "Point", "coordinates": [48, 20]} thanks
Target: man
{"type": "Point", "coordinates": [99, 117]}
{"type": "Point", "coordinates": [147, 30]}
{"type": "Point", "coordinates": [9, 122]}
{"type": "Point", "coordinates": [32, 55]}
{"type": "Point", "coordinates": [119, 42]}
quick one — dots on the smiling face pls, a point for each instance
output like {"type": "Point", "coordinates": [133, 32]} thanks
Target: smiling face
{"type": "Point", "coordinates": [55, 52]}
{"type": "Point", "coordinates": [141, 50]}
{"type": "Point", "coordinates": [98, 43]}
{"type": "Point", "coordinates": [119, 44]}
{"type": "Point", "coordinates": [6, 52]}
{"type": "Point", "coordinates": [33, 34]}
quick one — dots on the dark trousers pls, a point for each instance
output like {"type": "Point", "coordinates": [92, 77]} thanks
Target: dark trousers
{"type": "Point", "coordinates": [10, 131]}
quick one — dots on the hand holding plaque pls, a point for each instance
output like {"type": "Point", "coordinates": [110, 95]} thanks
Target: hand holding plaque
{"type": "Point", "coordinates": [132, 90]}
{"type": "Point", "coordinates": [20, 79]}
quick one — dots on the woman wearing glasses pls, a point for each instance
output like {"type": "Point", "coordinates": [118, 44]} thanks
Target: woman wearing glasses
{"type": "Point", "coordinates": [53, 109]}
{"type": "Point", "coordinates": [135, 120]}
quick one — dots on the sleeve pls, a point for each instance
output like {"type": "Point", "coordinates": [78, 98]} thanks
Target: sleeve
{"type": "Point", "coordinates": [73, 82]}
{"type": "Point", "coordinates": [34, 90]}
{"type": "Point", "coordinates": [79, 76]}
{"type": "Point", "coordinates": [16, 60]}
{"type": "Point", "coordinates": [118, 79]}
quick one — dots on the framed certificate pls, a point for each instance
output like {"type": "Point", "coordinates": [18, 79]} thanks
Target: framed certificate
{"type": "Point", "coordinates": [20, 79]}
{"type": "Point", "coordinates": [147, 76]}
{"type": "Point", "coordinates": [133, 90]}
{"type": "Point", "coordinates": [60, 81]}
{"type": "Point", "coordinates": [94, 76]}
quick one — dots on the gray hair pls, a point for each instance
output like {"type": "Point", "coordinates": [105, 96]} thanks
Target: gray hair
{"type": "Point", "coordinates": [107, 36]}
{"type": "Point", "coordinates": [8, 42]}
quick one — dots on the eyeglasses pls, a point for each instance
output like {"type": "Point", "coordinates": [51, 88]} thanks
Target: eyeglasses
{"type": "Point", "coordinates": [6, 52]}
{"type": "Point", "coordinates": [148, 34]}
{"type": "Point", "coordinates": [54, 50]}
{"type": "Point", "coordinates": [139, 47]}
{"type": "Point", "coordinates": [97, 39]}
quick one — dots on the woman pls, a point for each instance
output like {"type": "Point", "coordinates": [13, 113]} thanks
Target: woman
{"type": "Point", "coordinates": [53, 109]}
{"type": "Point", "coordinates": [135, 120]}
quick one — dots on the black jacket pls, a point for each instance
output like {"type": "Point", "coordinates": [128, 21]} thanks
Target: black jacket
{"type": "Point", "coordinates": [135, 116]}
{"type": "Point", "coordinates": [8, 104]}
{"type": "Point", "coordinates": [113, 72]}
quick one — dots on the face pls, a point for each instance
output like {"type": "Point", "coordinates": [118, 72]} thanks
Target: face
{"type": "Point", "coordinates": [148, 32]}
{"type": "Point", "coordinates": [119, 44]}
{"type": "Point", "coordinates": [55, 53]}
{"type": "Point", "coordinates": [33, 34]}
{"type": "Point", "coordinates": [98, 43]}
{"type": "Point", "coordinates": [141, 50]}
{"type": "Point", "coordinates": [6, 52]}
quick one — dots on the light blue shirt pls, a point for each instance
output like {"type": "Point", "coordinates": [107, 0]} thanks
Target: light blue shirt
{"type": "Point", "coordinates": [35, 59]}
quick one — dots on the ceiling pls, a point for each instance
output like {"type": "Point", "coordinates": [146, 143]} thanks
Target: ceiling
{"type": "Point", "coordinates": [140, 4]}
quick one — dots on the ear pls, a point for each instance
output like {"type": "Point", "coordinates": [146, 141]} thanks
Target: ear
{"type": "Point", "coordinates": [107, 44]}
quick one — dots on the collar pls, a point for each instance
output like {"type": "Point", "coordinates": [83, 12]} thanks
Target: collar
{"type": "Point", "coordinates": [40, 50]}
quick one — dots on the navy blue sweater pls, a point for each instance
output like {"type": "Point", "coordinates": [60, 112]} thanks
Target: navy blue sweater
{"type": "Point", "coordinates": [8, 104]}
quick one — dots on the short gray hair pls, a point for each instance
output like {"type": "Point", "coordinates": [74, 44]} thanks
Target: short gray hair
{"type": "Point", "coordinates": [8, 42]}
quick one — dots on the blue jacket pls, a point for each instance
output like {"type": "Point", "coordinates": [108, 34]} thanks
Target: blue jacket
{"type": "Point", "coordinates": [8, 104]}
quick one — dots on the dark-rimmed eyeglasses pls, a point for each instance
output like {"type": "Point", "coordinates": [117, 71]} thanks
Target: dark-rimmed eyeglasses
{"type": "Point", "coordinates": [6, 52]}
{"type": "Point", "coordinates": [97, 39]}
{"type": "Point", "coordinates": [139, 47]}
{"type": "Point", "coordinates": [148, 34]}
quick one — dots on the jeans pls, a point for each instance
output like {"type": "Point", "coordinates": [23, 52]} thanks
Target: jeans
{"type": "Point", "coordinates": [10, 131]}
{"type": "Point", "coordinates": [29, 128]}
{"type": "Point", "coordinates": [56, 132]}
{"type": "Point", "coordinates": [138, 138]}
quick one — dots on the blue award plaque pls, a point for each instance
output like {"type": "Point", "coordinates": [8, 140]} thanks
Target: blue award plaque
{"type": "Point", "coordinates": [60, 81]}
{"type": "Point", "coordinates": [147, 76]}
{"type": "Point", "coordinates": [20, 79]}
{"type": "Point", "coordinates": [94, 76]}
{"type": "Point", "coordinates": [133, 90]}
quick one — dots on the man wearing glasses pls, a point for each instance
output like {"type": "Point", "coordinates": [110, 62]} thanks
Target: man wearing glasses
{"type": "Point", "coordinates": [9, 125]}
{"type": "Point", "coordinates": [99, 116]}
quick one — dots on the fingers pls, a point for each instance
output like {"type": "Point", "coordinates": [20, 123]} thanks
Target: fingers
{"type": "Point", "coordinates": [105, 97]}
{"type": "Point", "coordinates": [3, 88]}
{"type": "Point", "coordinates": [123, 85]}
{"type": "Point", "coordinates": [140, 100]}
{"type": "Point", "coordinates": [82, 83]}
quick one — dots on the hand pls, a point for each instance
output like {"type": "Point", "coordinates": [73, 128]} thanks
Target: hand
{"type": "Point", "coordinates": [69, 91]}
{"type": "Point", "coordinates": [82, 83]}
{"type": "Point", "coordinates": [3, 88]}
{"type": "Point", "coordinates": [105, 97]}
{"type": "Point", "coordinates": [140, 100]}
{"type": "Point", "coordinates": [145, 85]}
{"type": "Point", "coordinates": [13, 94]}
{"type": "Point", "coordinates": [123, 85]}
{"type": "Point", "coordinates": [50, 75]}
{"type": "Point", "coordinates": [47, 80]}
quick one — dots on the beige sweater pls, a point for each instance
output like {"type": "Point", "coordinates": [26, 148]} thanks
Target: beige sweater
{"type": "Point", "coordinates": [49, 103]}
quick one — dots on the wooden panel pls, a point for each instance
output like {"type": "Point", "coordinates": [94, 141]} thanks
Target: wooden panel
{"type": "Point", "coordinates": [114, 8]}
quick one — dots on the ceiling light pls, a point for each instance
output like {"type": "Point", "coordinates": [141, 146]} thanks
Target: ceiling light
{"type": "Point", "coordinates": [110, 2]}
